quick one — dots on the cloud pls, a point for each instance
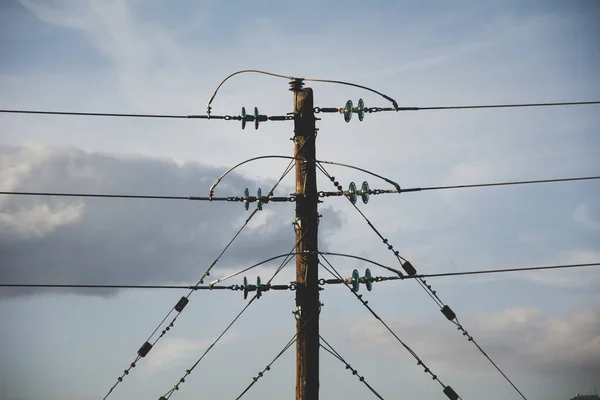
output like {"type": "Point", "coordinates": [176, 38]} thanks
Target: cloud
{"type": "Point", "coordinates": [520, 340]}
{"type": "Point", "coordinates": [583, 217]}
{"type": "Point", "coordinates": [39, 220]}
{"type": "Point", "coordinates": [176, 351]}
{"type": "Point", "coordinates": [123, 241]}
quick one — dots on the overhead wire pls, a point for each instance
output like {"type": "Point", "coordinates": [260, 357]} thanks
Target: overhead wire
{"type": "Point", "coordinates": [117, 196]}
{"type": "Point", "coordinates": [169, 393]}
{"type": "Point", "coordinates": [96, 114]}
{"type": "Point", "coordinates": [513, 105]}
{"type": "Point", "coordinates": [268, 367]}
{"type": "Point", "coordinates": [446, 389]}
{"type": "Point", "coordinates": [319, 162]}
{"type": "Point", "coordinates": [507, 183]}
{"type": "Point", "coordinates": [185, 300]}
{"type": "Point", "coordinates": [337, 355]}
{"type": "Point", "coordinates": [231, 287]}
{"type": "Point", "coordinates": [410, 270]}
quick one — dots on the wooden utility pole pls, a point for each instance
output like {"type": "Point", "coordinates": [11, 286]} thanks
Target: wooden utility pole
{"type": "Point", "coordinates": [307, 277]}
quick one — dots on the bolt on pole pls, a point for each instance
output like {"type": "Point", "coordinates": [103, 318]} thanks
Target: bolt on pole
{"type": "Point", "coordinates": [307, 274]}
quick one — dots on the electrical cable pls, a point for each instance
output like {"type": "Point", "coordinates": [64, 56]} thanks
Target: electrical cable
{"type": "Point", "coordinates": [447, 389]}
{"type": "Point", "coordinates": [189, 371]}
{"type": "Point", "coordinates": [214, 185]}
{"type": "Point", "coordinates": [239, 199]}
{"type": "Point", "coordinates": [291, 78]}
{"type": "Point", "coordinates": [121, 196]}
{"type": "Point", "coordinates": [516, 105]}
{"type": "Point", "coordinates": [147, 346]}
{"type": "Point", "coordinates": [410, 270]}
{"type": "Point", "coordinates": [337, 355]}
{"type": "Point", "coordinates": [94, 114]}
{"type": "Point", "coordinates": [268, 367]}
{"type": "Point", "coordinates": [232, 287]}
{"type": "Point", "coordinates": [508, 183]}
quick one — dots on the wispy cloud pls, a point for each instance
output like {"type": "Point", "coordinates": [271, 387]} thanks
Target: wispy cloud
{"type": "Point", "coordinates": [175, 352]}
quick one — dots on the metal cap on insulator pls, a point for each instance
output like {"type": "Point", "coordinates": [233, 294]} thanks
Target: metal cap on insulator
{"type": "Point", "coordinates": [145, 349]}
{"type": "Point", "coordinates": [448, 391]}
{"type": "Point", "coordinates": [448, 313]}
{"type": "Point", "coordinates": [181, 304]}
{"type": "Point", "coordinates": [410, 270]}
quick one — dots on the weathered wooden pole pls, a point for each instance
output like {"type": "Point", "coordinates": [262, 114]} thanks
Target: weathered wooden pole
{"type": "Point", "coordinates": [307, 274]}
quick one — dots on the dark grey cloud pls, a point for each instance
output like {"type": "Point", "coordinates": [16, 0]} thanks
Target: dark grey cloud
{"type": "Point", "coordinates": [122, 241]}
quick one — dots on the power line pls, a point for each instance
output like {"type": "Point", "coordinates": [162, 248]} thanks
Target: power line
{"type": "Point", "coordinates": [234, 287]}
{"type": "Point", "coordinates": [495, 271]}
{"type": "Point", "coordinates": [189, 371]}
{"type": "Point", "coordinates": [508, 183]}
{"type": "Point", "coordinates": [120, 196]}
{"type": "Point", "coordinates": [337, 355]}
{"type": "Point", "coordinates": [180, 305]}
{"type": "Point", "coordinates": [268, 367]}
{"type": "Point", "coordinates": [514, 105]}
{"type": "Point", "coordinates": [410, 270]}
{"type": "Point", "coordinates": [447, 389]}
{"type": "Point", "coordinates": [282, 118]}
{"type": "Point", "coordinates": [271, 198]}
{"type": "Point", "coordinates": [95, 114]}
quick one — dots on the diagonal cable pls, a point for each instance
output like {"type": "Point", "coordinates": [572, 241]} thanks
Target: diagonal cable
{"type": "Point", "coordinates": [189, 371]}
{"type": "Point", "coordinates": [337, 355]}
{"type": "Point", "coordinates": [448, 391]}
{"type": "Point", "coordinates": [268, 367]}
{"type": "Point", "coordinates": [411, 271]}
{"type": "Point", "coordinates": [178, 308]}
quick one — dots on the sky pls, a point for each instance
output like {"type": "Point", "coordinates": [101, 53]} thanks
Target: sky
{"type": "Point", "coordinates": [151, 56]}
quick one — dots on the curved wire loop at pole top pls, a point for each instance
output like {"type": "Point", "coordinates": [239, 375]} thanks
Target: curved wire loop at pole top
{"type": "Point", "coordinates": [220, 178]}
{"type": "Point", "coordinates": [216, 281]}
{"type": "Point", "coordinates": [291, 78]}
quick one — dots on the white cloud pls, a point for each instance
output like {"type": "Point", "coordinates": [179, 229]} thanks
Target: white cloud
{"type": "Point", "coordinates": [176, 351]}
{"type": "Point", "coordinates": [39, 220]}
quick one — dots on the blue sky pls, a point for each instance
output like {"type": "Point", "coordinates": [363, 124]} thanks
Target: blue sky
{"type": "Point", "coordinates": [164, 57]}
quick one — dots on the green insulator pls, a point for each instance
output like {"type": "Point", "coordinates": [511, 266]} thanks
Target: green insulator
{"type": "Point", "coordinates": [364, 192]}
{"type": "Point", "coordinates": [368, 279]}
{"type": "Point", "coordinates": [355, 280]}
{"type": "Point", "coordinates": [243, 117]}
{"type": "Point", "coordinates": [259, 199]}
{"type": "Point", "coordinates": [352, 193]}
{"type": "Point", "coordinates": [246, 199]}
{"type": "Point", "coordinates": [361, 109]}
{"type": "Point", "coordinates": [258, 288]}
{"type": "Point", "coordinates": [348, 111]}
{"type": "Point", "coordinates": [245, 288]}
{"type": "Point", "coordinates": [256, 115]}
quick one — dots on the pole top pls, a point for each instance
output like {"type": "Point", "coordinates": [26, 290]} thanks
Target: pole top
{"type": "Point", "coordinates": [296, 84]}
